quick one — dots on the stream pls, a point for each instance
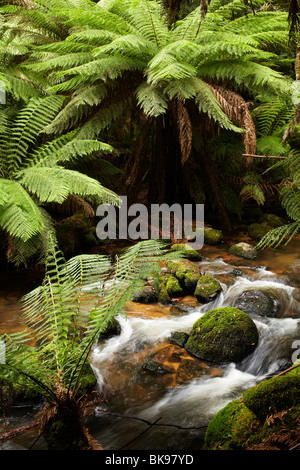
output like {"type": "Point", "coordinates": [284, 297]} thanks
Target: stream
{"type": "Point", "coordinates": [180, 410]}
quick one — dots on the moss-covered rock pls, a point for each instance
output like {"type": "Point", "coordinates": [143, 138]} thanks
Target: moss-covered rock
{"type": "Point", "coordinates": [273, 395]}
{"type": "Point", "coordinates": [257, 231]}
{"type": "Point", "coordinates": [272, 220]}
{"type": "Point", "coordinates": [223, 335]}
{"type": "Point", "coordinates": [173, 286]}
{"type": "Point", "coordinates": [212, 236]}
{"type": "Point", "coordinates": [231, 427]}
{"type": "Point", "coordinates": [186, 272]}
{"type": "Point", "coordinates": [162, 293]}
{"type": "Point", "coordinates": [188, 251]}
{"type": "Point", "coordinates": [207, 288]}
{"type": "Point", "coordinates": [76, 234]}
{"type": "Point", "coordinates": [243, 250]}
{"type": "Point", "coordinates": [242, 423]}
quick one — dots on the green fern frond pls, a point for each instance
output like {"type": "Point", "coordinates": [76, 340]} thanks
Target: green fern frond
{"type": "Point", "coordinates": [152, 101]}
{"type": "Point", "coordinates": [19, 216]}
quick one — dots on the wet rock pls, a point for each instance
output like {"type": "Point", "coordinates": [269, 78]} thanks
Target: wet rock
{"type": "Point", "coordinates": [207, 288]}
{"type": "Point", "coordinates": [244, 250]}
{"type": "Point", "coordinates": [272, 220]}
{"type": "Point", "coordinates": [273, 395]}
{"type": "Point", "coordinates": [186, 272]}
{"type": "Point", "coordinates": [188, 251]}
{"type": "Point", "coordinates": [190, 369]}
{"type": "Point", "coordinates": [184, 306]}
{"type": "Point", "coordinates": [146, 296]}
{"type": "Point", "coordinates": [157, 368]}
{"type": "Point", "coordinates": [255, 302]}
{"type": "Point", "coordinates": [223, 335]}
{"type": "Point", "coordinates": [212, 236]}
{"type": "Point", "coordinates": [257, 231]}
{"type": "Point", "coordinates": [266, 417]}
{"type": "Point", "coordinates": [179, 338]}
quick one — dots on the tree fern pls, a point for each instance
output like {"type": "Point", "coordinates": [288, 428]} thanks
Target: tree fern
{"type": "Point", "coordinates": [32, 172]}
{"type": "Point", "coordinates": [63, 321]}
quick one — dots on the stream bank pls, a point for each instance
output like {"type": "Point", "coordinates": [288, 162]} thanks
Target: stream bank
{"type": "Point", "coordinates": [185, 397]}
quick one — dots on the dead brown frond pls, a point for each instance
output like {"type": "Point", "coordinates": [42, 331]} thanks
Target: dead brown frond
{"type": "Point", "coordinates": [237, 109]}
{"type": "Point", "coordinates": [284, 439]}
{"type": "Point", "coordinates": [73, 204]}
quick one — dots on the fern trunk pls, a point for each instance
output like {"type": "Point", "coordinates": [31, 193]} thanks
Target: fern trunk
{"type": "Point", "coordinates": [64, 431]}
{"type": "Point", "coordinates": [297, 63]}
{"type": "Point", "coordinates": [166, 183]}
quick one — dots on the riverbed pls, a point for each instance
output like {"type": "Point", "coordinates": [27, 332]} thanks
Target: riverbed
{"type": "Point", "coordinates": [148, 411]}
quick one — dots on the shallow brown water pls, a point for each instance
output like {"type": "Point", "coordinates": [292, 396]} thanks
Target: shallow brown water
{"type": "Point", "coordinates": [132, 391]}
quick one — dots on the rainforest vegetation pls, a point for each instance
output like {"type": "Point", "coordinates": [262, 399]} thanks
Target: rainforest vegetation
{"type": "Point", "coordinates": [164, 101]}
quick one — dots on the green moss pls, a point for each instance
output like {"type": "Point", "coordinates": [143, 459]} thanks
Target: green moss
{"type": "Point", "coordinates": [173, 287]}
{"type": "Point", "coordinates": [207, 288]}
{"type": "Point", "coordinates": [244, 250]}
{"type": "Point", "coordinates": [230, 428]}
{"type": "Point", "coordinates": [186, 272]}
{"type": "Point", "coordinates": [257, 231]}
{"type": "Point", "coordinates": [212, 236]}
{"type": "Point", "coordinates": [273, 395]}
{"type": "Point", "coordinates": [223, 335]}
{"type": "Point", "coordinates": [188, 251]}
{"type": "Point", "coordinates": [272, 220]}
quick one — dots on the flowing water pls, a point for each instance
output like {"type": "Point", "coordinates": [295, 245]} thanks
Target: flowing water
{"type": "Point", "coordinates": [181, 411]}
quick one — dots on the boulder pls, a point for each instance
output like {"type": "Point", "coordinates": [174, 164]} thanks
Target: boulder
{"type": "Point", "coordinates": [146, 296]}
{"type": "Point", "coordinates": [272, 220]}
{"type": "Point", "coordinates": [186, 272]}
{"type": "Point", "coordinates": [179, 338]}
{"type": "Point", "coordinates": [188, 251]}
{"type": "Point", "coordinates": [254, 302]}
{"type": "Point", "coordinates": [212, 236]}
{"type": "Point", "coordinates": [258, 231]}
{"type": "Point", "coordinates": [223, 335]}
{"type": "Point", "coordinates": [273, 395]}
{"type": "Point", "coordinates": [207, 288]}
{"type": "Point", "coordinates": [243, 250]}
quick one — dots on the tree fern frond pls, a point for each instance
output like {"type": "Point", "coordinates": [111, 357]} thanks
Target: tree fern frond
{"type": "Point", "coordinates": [152, 101]}
{"type": "Point", "coordinates": [29, 123]}
{"type": "Point", "coordinates": [56, 184]}
{"type": "Point", "coordinates": [19, 216]}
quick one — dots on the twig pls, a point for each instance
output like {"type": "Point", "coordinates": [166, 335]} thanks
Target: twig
{"type": "Point", "coordinates": [117, 415]}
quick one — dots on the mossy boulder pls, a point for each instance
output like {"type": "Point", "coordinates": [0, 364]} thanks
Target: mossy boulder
{"type": "Point", "coordinates": [231, 427]}
{"type": "Point", "coordinates": [243, 250]}
{"type": "Point", "coordinates": [168, 287]}
{"type": "Point", "coordinates": [186, 272]}
{"type": "Point", "coordinates": [207, 288]}
{"type": "Point", "coordinates": [212, 236]}
{"type": "Point", "coordinates": [188, 251]}
{"type": "Point", "coordinates": [76, 234]}
{"type": "Point", "coordinates": [273, 395]}
{"type": "Point", "coordinates": [223, 335]}
{"type": "Point", "coordinates": [255, 420]}
{"type": "Point", "coordinates": [272, 220]}
{"type": "Point", "coordinates": [258, 231]}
